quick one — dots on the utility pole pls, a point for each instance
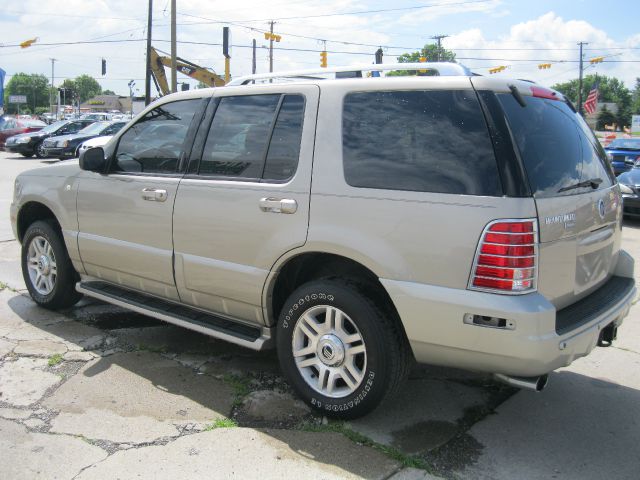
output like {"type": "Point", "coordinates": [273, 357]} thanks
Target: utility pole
{"type": "Point", "coordinates": [147, 78]}
{"type": "Point", "coordinates": [174, 72]}
{"type": "Point", "coordinates": [580, 78]}
{"type": "Point", "coordinates": [271, 47]}
{"type": "Point", "coordinates": [253, 58]}
{"type": "Point", "coordinates": [438, 38]}
{"type": "Point", "coordinates": [53, 61]}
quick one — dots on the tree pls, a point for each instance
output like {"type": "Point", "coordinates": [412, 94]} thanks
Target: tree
{"type": "Point", "coordinates": [87, 87]}
{"type": "Point", "coordinates": [635, 98]}
{"type": "Point", "coordinates": [430, 51]}
{"type": "Point", "coordinates": [108, 92]}
{"type": "Point", "coordinates": [610, 90]}
{"type": "Point", "coordinates": [34, 86]}
{"type": "Point", "coordinates": [605, 117]}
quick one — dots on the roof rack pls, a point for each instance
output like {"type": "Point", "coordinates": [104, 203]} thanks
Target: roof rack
{"type": "Point", "coordinates": [355, 71]}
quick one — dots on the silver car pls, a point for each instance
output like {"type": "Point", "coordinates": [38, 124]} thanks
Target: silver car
{"type": "Point", "coordinates": [355, 224]}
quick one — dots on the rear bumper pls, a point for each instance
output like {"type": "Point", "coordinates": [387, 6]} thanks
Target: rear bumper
{"type": "Point", "coordinates": [530, 346]}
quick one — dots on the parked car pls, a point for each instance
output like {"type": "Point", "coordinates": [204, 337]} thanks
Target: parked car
{"type": "Point", "coordinates": [94, 142]}
{"type": "Point", "coordinates": [623, 154]}
{"type": "Point", "coordinates": [15, 126]}
{"type": "Point", "coordinates": [354, 225]}
{"type": "Point", "coordinates": [97, 116]}
{"type": "Point", "coordinates": [630, 188]}
{"type": "Point", "coordinates": [28, 144]}
{"type": "Point", "coordinates": [67, 146]}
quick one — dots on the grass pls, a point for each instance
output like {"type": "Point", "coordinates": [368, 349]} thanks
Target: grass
{"type": "Point", "coordinates": [240, 386]}
{"type": "Point", "coordinates": [339, 427]}
{"type": "Point", "coordinates": [221, 423]}
{"type": "Point", "coordinates": [2, 286]}
{"type": "Point", "coordinates": [55, 359]}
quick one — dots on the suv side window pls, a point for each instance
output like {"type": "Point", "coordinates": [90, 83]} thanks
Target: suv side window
{"type": "Point", "coordinates": [284, 148]}
{"type": "Point", "coordinates": [155, 142]}
{"type": "Point", "coordinates": [424, 141]}
{"type": "Point", "coordinates": [239, 135]}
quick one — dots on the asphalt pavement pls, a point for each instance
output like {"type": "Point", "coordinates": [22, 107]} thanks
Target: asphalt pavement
{"type": "Point", "coordinates": [99, 392]}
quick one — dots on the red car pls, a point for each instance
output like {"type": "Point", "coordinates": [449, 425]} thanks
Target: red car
{"type": "Point", "coordinates": [15, 126]}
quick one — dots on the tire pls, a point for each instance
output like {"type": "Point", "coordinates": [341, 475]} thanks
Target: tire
{"type": "Point", "coordinates": [47, 269]}
{"type": "Point", "coordinates": [370, 348]}
{"type": "Point", "coordinates": [26, 155]}
{"type": "Point", "coordinates": [39, 150]}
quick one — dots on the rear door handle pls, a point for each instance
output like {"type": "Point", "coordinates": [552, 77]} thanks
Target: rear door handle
{"type": "Point", "coordinates": [154, 194]}
{"type": "Point", "coordinates": [278, 205]}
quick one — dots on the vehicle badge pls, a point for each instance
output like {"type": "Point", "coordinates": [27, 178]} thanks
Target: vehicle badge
{"type": "Point", "coordinates": [601, 209]}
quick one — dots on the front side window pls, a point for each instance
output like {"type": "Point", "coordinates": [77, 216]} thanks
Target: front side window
{"type": "Point", "coordinates": [155, 142]}
{"type": "Point", "coordinates": [423, 141]}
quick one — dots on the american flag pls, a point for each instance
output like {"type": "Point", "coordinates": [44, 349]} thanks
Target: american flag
{"type": "Point", "coordinates": [591, 104]}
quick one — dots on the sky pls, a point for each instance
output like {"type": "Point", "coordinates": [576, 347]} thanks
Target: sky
{"type": "Point", "coordinates": [483, 34]}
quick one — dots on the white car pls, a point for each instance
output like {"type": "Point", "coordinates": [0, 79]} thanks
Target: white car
{"type": "Point", "coordinates": [93, 142]}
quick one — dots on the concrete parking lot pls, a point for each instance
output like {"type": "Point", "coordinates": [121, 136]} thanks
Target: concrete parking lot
{"type": "Point", "coordinates": [99, 392]}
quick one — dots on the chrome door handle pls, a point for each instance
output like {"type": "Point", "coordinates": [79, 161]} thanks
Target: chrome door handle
{"type": "Point", "coordinates": [154, 194]}
{"type": "Point", "coordinates": [278, 205]}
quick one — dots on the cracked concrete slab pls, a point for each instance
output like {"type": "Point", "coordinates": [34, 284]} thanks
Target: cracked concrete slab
{"type": "Point", "coordinates": [43, 456]}
{"type": "Point", "coordinates": [24, 381]}
{"type": "Point", "coordinates": [15, 413]}
{"type": "Point", "coordinates": [414, 426]}
{"type": "Point", "coordinates": [6, 347]}
{"type": "Point", "coordinates": [147, 385]}
{"type": "Point", "coordinates": [40, 348]}
{"type": "Point", "coordinates": [10, 265]}
{"type": "Point", "coordinates": [245, 453]}
{"type": "Point", "coordinates": [98, 424]}
{"type": "Point", "coordinates": [413, 474]}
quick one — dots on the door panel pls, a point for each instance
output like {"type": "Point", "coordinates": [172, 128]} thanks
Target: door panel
{"type": "Point", "coordinates": [228, 233]}
{"type": "Point", "coordinates": [123, 237]}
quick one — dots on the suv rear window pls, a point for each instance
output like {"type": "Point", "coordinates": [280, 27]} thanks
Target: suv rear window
{"type": "Point", "coordinates": [424, 141]}
{"type": "Point", "coordinates": [557, 147]}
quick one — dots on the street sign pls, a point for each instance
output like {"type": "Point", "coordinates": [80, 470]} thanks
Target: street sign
{"type": "Point", "coordinates": [17, 99]}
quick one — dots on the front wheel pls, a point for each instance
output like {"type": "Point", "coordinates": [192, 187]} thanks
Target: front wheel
{"type": "Point", "coordinates": [47, 269]}
{"type": "Point", "coordinates": [340, 350]}
{"type": "Point", "coordinates": [39, 150]}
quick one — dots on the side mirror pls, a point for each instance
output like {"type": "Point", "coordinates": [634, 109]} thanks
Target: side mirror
{"type": "Point", "coordinates": [93, 160]}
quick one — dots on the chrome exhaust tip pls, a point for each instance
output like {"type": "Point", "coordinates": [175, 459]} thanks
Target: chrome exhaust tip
{"type": "Point", "coordinates": [536, 384]}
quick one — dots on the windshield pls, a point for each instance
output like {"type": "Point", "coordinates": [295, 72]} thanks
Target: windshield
{"type": "Point", "coordinates": [94, 128]}
{"type": "Point", "coordinates": [560, 153]}
{"type": "Point", "coordinates": [625, 144]}
{"type": "Point", "coordinates": [53, 127]}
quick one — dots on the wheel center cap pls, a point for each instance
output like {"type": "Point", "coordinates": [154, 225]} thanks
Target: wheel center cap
{"type": "Point", "coordinates": [44, 265]}
{"type": "Point", "coordinates": [330, 350]}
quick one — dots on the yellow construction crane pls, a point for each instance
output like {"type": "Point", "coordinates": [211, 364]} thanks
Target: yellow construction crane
{"type": "Point", "coordinates": [192, 70]}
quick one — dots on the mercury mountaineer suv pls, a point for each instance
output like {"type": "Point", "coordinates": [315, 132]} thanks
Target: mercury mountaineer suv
{"type": "Point", "coordinates": [355, 224]}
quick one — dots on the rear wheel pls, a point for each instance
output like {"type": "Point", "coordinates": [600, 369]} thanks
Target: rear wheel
{"type": "Point", "coordinates": [47, 269]}
{"type": "Point", "coordinates": [341, 351]}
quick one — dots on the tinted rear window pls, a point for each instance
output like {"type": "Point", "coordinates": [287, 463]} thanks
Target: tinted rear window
{"type": "Point", "coordinates": [425, 141]}
{"type": "Point", "coordinates": [556, 145]}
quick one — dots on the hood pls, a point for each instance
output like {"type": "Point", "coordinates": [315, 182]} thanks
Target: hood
{"type": "Point", "coordinates": [73, 137]}
{"type": "Point", "coordinates": [28, 134]}
{"type": "Point", "coordinates": [65, 168]}
{"type": "Point", "coordinates": [632, 177]}
{"type": "Point", "coordinates": [98, 141]}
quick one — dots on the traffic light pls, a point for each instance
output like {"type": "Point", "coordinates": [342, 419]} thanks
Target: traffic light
{"type": "Point", "coordinates": [497, 69]}
{"type": "Point", "coordinates": [104, 67]}
{"type": "Point", "coordinates": [544, 66]}
{"type": "Point", "coordinates": [272, 36]}
{"type": "Point", "coordinates": [323, 59]}
{"type": "Point", "coordinates": [595, 60]}
{"type": "Point", "coordinates": [379, 55]}
{"type": "Point", "coordinates": [28, 43]}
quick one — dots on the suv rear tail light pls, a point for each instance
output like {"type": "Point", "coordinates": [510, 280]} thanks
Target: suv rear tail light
{"type": "Point", "coordinates": [506, 258]}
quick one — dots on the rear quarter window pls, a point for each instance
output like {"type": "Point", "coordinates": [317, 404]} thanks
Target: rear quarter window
{"type": "Point", "coordinates": [424, 141]}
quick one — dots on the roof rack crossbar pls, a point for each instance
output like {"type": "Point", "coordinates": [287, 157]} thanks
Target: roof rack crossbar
{"type": "Point", "coordinates": [442, 69]}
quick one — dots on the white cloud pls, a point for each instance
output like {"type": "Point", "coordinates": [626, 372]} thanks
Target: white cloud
{"type": "Point", "coordinates": [559, 38]}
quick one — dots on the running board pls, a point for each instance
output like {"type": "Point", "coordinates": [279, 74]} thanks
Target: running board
{"type": "Point", "coordinates": [253, 337]}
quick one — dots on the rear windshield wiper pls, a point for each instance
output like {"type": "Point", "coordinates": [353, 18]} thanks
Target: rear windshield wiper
{"type": "Point", "coordinates": [593, 183]}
